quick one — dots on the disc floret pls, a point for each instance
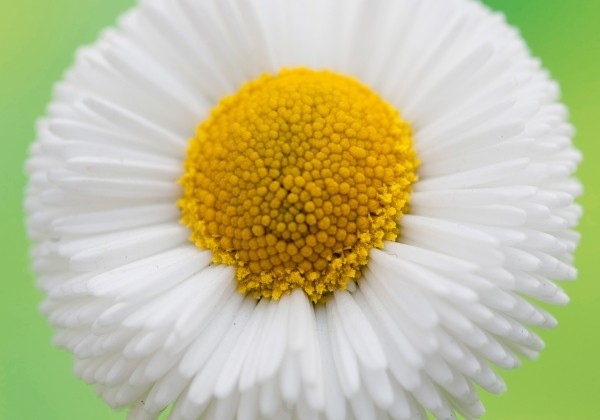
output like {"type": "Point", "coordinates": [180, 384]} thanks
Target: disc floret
{"type": "Point", "coordinates": [295, 178]}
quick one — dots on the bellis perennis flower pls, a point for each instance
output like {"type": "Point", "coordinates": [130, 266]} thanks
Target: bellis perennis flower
{"type": "Point", "coordinates": [302, 209]}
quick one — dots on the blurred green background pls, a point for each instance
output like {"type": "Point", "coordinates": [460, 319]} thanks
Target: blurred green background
{"type": "Point", "coordinates": [37, 42]}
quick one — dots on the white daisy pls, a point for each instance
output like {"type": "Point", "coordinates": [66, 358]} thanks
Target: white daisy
{"type": "Point", "coordinates": [298, 282]}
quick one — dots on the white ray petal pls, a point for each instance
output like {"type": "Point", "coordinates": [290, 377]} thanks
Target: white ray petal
{"type": "Point", "coordinates": [359, 332]}
{"type": "Point", "coordinates": [117, 249]}
{"type": "Point", "coordinates": [99, 222]}
{"type": "Point", "coordinates": [335, 404]}
{"type": "Point", "coordinates": [345, 362]}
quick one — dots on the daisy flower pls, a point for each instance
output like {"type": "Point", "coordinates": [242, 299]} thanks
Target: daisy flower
{"type": "Point", "coordinates": [302, 209]}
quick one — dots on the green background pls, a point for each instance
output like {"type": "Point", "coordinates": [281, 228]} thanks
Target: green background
{"type": "Point", "coordinates": [37, 42]}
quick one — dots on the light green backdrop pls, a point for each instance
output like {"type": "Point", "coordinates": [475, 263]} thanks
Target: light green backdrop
{"type": "Point", "coordinates": [37, 42]}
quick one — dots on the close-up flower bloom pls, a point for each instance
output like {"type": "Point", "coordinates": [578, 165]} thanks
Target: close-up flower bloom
{"type": "Point", "coordinates": [303, 209]}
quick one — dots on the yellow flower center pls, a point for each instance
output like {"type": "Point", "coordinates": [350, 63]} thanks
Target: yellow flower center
{"type": "Point", "coordinates": [295, 178]}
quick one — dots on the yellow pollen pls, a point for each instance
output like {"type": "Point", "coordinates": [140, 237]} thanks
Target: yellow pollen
{"type": "Point", "coordinates": [295, 178]}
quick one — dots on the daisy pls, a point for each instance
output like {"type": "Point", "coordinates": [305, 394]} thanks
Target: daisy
{"type": "Point", "coordinates": [303, 209]}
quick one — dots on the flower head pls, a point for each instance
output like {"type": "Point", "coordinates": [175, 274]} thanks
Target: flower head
{"type": "Point", "coordinates": [300, 209]}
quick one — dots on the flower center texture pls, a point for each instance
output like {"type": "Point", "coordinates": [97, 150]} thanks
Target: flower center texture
{"type": "Point", "coordinates": [295, 178]}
